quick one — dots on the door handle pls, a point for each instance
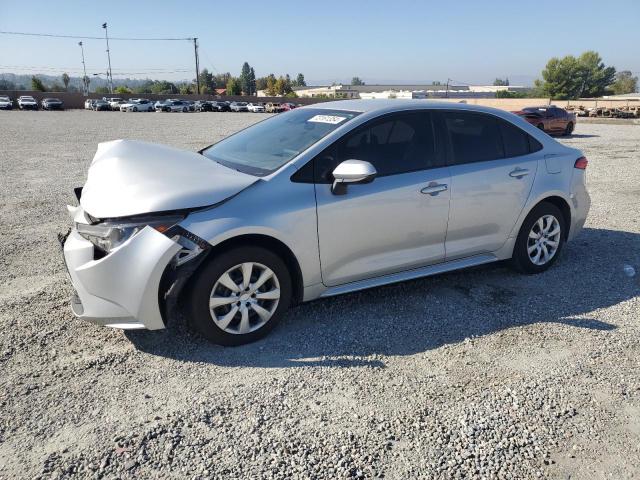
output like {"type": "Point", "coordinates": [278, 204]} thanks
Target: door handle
{"type": "Point", "coordinates": [434, 188]}
{"type": "Point", "coordinates": [519, 172]}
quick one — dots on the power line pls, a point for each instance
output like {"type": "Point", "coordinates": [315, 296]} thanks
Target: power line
{"type": "Point", "coordinates": [87, 37]}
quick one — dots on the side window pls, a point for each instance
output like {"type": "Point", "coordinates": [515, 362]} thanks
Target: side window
{"type": "Point", "coordinates": [474, 137]}
{"type": "Point", "coordinates": [516, 142]}
{"type": "Point", "coordinates": [396, 144]}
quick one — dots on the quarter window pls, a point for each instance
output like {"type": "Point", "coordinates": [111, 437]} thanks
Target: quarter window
{"type": "Point", "coordinates": [516, 142]}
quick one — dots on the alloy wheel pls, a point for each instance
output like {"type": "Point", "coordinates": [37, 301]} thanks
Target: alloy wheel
{"type": "Point", "coordinates": [544, 240]}
{"type": "Point", "coordinates": [244, 298]}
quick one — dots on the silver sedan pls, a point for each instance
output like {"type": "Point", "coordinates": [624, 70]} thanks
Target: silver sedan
{"type": "Point", "coordinates": [319, 201]}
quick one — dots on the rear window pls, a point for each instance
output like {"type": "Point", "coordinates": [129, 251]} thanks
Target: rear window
{"type": "Point", "coordinates": [474, 137]}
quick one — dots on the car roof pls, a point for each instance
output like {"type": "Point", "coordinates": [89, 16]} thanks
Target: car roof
{"type": "Point", "coordinates": [391, 105]}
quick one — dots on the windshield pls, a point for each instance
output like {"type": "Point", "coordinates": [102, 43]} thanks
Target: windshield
{"type": "Point", "coordinates": [268, 145]}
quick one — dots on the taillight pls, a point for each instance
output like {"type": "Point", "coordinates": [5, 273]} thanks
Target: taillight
{"type": "Point", "coordinates": [581, 163]}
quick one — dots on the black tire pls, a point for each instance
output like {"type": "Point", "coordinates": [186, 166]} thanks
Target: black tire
{"type": "Point", "coordinates": [197, 308]}
{"type": "Point", "coordinates": [135, 109]}
{"type": "Point", "coordinates": [569, 130]}
{"type": "Point", "coordinates": [520, 259]}
{"type": "Point", "coordinates": [185, 109]}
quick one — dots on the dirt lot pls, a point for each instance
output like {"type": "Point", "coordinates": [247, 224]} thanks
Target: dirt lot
{"type": "Point", "coordinates": [481, 373]}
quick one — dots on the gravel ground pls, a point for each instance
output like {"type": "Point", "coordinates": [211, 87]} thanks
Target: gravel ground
{"type": "Point", "coordinates": [476, 374]}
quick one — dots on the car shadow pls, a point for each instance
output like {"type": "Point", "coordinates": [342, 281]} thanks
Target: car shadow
{"type": "Point", "coordinates": [579, 135]}
{"type": "Point", "coordinates": [353, 330]}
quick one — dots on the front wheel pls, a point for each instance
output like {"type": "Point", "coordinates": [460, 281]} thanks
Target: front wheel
{"type": "Point", "coordinates": [239, 296]}
{"type": "Point", "coordinates": [540, 239]}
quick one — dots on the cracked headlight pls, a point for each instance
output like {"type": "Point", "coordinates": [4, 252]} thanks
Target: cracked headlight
{"type": "Point", "coordinates": [110, 235]}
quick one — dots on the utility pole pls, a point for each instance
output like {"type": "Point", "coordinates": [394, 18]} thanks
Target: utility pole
{"type": "Point", "coordinates": [195, 51]}
{"type": "Point", "coordinates": [109, 73]}
{"type": "Point", "coordinates": [447, 94]}
{"type": "Point", "coordinates": [85, 89]}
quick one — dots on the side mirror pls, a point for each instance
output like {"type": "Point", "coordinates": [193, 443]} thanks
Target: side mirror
{"type": "Point", "coordinates": [351, 171]}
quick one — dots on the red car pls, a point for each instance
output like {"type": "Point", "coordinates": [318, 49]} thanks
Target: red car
{"type": "Point", "coordinates": [551, 119]}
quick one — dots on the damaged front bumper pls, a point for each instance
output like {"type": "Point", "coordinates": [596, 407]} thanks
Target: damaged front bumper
{"type": "Point", "coordinates": [131, 287]}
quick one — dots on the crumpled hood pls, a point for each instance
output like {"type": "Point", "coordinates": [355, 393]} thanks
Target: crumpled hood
{"type": "Point", "coordinates": [130, 177]}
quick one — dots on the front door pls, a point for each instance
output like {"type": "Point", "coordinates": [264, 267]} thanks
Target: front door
{"type": "Point", "coordinates": [397, 222]}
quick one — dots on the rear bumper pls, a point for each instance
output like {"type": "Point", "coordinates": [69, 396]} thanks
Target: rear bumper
{"type": "Point", "coordinates": [121, 289]}
{"type": "Point", "coordinates": [581, 203]}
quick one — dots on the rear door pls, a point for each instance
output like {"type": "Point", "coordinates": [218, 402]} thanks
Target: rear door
{"type": "Point", "coordinates": [492, 170]}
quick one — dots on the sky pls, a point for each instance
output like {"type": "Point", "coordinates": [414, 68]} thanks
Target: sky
{"type": "Point", "coordinates": [399, 41]}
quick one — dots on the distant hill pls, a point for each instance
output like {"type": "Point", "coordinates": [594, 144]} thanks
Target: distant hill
{"type": "Point", "coordinates": [13, 81]}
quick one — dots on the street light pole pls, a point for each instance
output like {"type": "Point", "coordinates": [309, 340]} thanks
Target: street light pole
{"type": "Point", "coordinates": [109, 73]}
{"type": "Point", "coordinates": [85, 89]}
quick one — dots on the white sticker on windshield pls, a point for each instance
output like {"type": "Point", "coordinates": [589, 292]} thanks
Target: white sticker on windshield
{"type": "Point", "coordinates": [332, 119]}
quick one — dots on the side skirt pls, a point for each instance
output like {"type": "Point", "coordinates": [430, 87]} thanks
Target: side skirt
{"type": "Point", "coordinates": [410, 274]}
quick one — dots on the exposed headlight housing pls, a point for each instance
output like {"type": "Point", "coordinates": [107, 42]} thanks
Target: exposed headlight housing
{"type": "Point", "coordinates": [110, 235]}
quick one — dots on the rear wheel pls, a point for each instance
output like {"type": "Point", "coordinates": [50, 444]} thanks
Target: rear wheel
{"type": "Point", "coordinates": [184, 109]}
{"type": "Point", "coordinates": [239, 296]}
{"type": "Point", "coordinates": [135, 109]}
{"type": "Point", "coordinates": [569, 129]}
{"type": "Point", "coordinates": [540, 239]}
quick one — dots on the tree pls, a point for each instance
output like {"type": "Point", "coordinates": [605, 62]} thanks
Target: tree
{"type": "Point", "coordinates": [37, 85]}
{"type": "Point", "coordinates": [498, 82]}
{"type": "Point", "coordinates": [234, 87]}
{"type": "Point", "coordinates": [122, 89]}
{"type": "Point", "coordinates": [244, 79]}
{"type": "Point", "coordinates": [207, 81]}
{"type": "Point", "coordinates": [7, 85]}
{"type": "Point", "coordinates": [102, 90]}
{"type": "Point", "coordinates": [56, 87]}
{"type": "Point", "coordinates": [283, 86]}
{"type": "Point", "coordinates": [186, 89]}
{"type": "Point", "coordinates": [252, 82]}
{"type": "Point", "coordinates": [145, 87]}
{"type": "Point", "coordinates": [271, 85]}
{"type": "Point", "coordinates": [299, 81]}
{"type": "Point", "coordinates": [66, 79]}
{"type": "Point", "coordinates": [86, 81]}
{"type": "Point", "coordinates": [222, 78]}
{"type": "Point", "coordinates": [163, 87]}
{"type": "Point", "coordinates": [571, 78]}
{"type": "Point", "coordinates": [356, 81]}
{"type": "Point", "coordinates": [625, 83]}
{"type": "Point", "coordinates": [261, 83]}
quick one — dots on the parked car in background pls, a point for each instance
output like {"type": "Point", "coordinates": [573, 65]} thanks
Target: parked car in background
{"type": "Point", "coordinates": [100, 105]}
{"type": "Point", "coordinates": [238, 107]}
{"type": "Point", "coordinates": [223, 106]}
{"type": "Point", "coordinates": [255, 107]}
{"type": "Point", "coordinates": [191, 104]}
{"type": "Point", "coordinates": [114, 102]}
{"type": "Point", "coordinates": [137, 105]}
{"type": "Point", "coordinates": [88, 103]}
{"type": "Point", "coordinates": [273, 107]}
{"type": "Point", "coordinates": [52, 104]}
{"type": "Point", "coordinates": [203, 106]}
{"type": "Point", "coordinates": [550, 119]}
{"type": "Point", "coordinates": [287, 106]}
{"type": "Point", "coordinates": [377, 192]}
{"type": "Point", "coordinates": [173, 106]}
{"type": "Point", "coordinates": [27, 102]}
{"type": "Point", "coordinates": [6, 103]}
